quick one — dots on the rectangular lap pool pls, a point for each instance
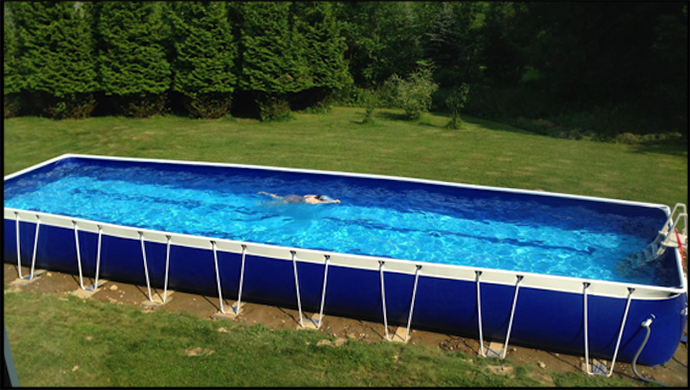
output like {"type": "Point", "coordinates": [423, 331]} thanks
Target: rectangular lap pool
{"type": "Point", "coordinates": [533, 268]}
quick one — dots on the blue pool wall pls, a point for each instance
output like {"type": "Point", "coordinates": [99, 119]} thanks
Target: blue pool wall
{"type": "Point", "coordinates": [543, 318]}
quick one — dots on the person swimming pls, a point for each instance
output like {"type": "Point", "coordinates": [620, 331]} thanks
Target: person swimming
{"type": "Point", "coordinates": [311, 199]}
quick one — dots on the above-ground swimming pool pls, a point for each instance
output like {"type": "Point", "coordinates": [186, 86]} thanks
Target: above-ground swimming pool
{"type": "Point", "coordinates": [533, 268]}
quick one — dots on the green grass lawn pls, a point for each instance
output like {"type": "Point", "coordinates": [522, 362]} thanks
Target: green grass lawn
{"type": "Point", "coordinates": [115, 345]}
{"type": "Point", "coordinates": [60, 340]}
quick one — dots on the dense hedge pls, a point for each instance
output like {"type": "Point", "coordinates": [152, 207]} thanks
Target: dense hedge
{"type": "Point", "coordinates": [204, 55]}
{"type": "Point", "coordinates": [133, 70]}
{"type": "Point", "coordinates": [143, 58]}
{"type": "Point", "coordinates": [54, 59]}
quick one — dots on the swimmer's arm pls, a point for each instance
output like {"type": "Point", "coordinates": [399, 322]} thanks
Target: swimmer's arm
{"type": "Point", "coordinates": [271, 195]}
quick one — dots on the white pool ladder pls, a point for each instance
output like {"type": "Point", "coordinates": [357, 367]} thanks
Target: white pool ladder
{"type": "Point", "coordinates": [667, 237]}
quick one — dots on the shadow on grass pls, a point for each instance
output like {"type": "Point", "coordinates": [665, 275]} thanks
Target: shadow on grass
{"type": "Point", "coordinates": [401, 117]}
{"type": "Point", "coordinates": [678, 148]}
{"type": "Point", "coordinates": [429, 124]}
{"type": "Point", "coordinates": [365, 122]}
{"type": "Point", "coordinates": [491, 125]}
{"type": "Point", "coordinates": [392, 116]}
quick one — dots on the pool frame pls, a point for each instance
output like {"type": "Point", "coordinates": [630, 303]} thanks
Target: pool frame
{"type": "Point", "coordinates": [488, 304]}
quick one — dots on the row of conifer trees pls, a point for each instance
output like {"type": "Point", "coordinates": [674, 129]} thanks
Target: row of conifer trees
{"type": "Point", "coordinates": [66, 59]}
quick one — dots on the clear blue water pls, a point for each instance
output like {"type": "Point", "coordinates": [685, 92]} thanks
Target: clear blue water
{"type": "Point", "coordinates": [404, 222]}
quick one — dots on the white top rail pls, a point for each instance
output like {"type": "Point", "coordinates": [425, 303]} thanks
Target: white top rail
{"type": "Point", "coordinates": [446, 271]}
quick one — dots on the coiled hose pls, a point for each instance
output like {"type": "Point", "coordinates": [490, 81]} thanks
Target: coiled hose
{"type": "Point", "coordinates": [645, 325]}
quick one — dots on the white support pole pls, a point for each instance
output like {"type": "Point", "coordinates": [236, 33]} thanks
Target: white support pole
{"type": "Point", "coordinates": [323, 291]}
{"type": "Point", "coordinates": [299, 300]}
{"type": "Point", "coordinates": [620, 332]}
{"type": "Point", "coordinates": [586, 337]}
{"type": "Point", "coordinates": [98, 259]}
{"type": "Point", "coordinates": [383, 300]}
{"type": "Point", "coordinates": [33, 258]}
{"type": "Point", "coordinates": [414, 294]}
{"type": "Point", "coordinates": [19, 256]}
{"type": "Point", "coordinates": [512, 315]}
{"type": "Point", "coordinates": [167, 268]}
{"type": "Point", "coordinates": [479, 315]}
{"type": "Point", "coordinates": [76, 243]}
{"type": "Point", "coordinates": [146, 267]}
{"type": "Point", "coordinates": [215, 262]}
{"type": "Point", "coordinates": [239, 292]}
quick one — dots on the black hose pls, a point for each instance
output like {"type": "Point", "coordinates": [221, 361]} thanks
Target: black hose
{"type": "Point", "coordinates": [646, 337]}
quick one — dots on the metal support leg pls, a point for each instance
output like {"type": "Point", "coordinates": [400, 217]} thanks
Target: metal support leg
{"type": "Point", "coordinates": [585, 326]}
{"type": "Point", "coordinates": [146, 267]}
{"type": "Point", "coordinates": [215, 262]}
{"type": "Point", "coordinates": [299, 300]}
{"type": "Point", "coordinates": [479, 315]}
{"type": "Point", "coordinates": [323, 291]}
{"type": "Point", "coordinates": [239, 292]}
{"type": "Point", "coordinates": [76, 242]}
{"type": "Point", "coordinates": [512, 315]}
{"type": "Point", "coordinates": [414, 294]}
{"type": "Point", "coordinates": [33, 258]}
{"type": "Point", "coordinates": [167, 268]}
{"type": "Point", "coordinates": [98, 260]}
{"type": "Point", "coordinates": [620, 332]}
{"type": "Point", "coordinates": [19, 256]}
{"type": "Point", "coordinates": [383, 300]}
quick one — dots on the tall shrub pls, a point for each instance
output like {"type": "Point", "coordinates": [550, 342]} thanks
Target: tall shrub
{"type": "Point", "coordinates": [132, 61]}
{"type": "Point", "coordinates": [413, 94]}
{"type": "Point", "coordinates": [55, 56]}
{"type": "Point", "coordinates": [321, 51]}
{"type": "Point", "coordinates": [456, 102]}
{"type": "Point", "coordinates": [11, 86]}
{"type": "Point", "coordinates": [271, 59]}
{"type": "Point", "coordinates": [204, 55]}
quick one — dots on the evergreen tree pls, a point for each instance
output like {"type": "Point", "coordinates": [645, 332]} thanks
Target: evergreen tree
{"type": "Point", "coordinates": [443, 40]}
{"type": "Point", "coordinates": [382, 39]}
{"type": "Point", "coordinates": [132, 60]}
{"type": "Point", "coordinates": [272, 65]}
{"type": "Point", "coordinates": [321, 50]}
{"type": "Point", "coordinates": [56, 56]}
{"type": "Point", "coordinates": [11, 85]}
{"type": "Point", "coordinates": [204, 54]}
{"type": "Point", "coordinates": [450, 44]}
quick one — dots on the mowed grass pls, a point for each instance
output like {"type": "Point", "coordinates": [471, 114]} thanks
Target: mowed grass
{"type": "Point", "coordinates": [483, 152]}
{"type": "Point", "coordinates": [63, 341]}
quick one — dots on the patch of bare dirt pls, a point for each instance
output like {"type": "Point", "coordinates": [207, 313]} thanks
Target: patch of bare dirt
{"type": "Point", "coordinates": [503, 369]}
{"type": "Point", "coordinates": [673, 373]}
{"type": "Point", "coordinates": [198, 351]}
